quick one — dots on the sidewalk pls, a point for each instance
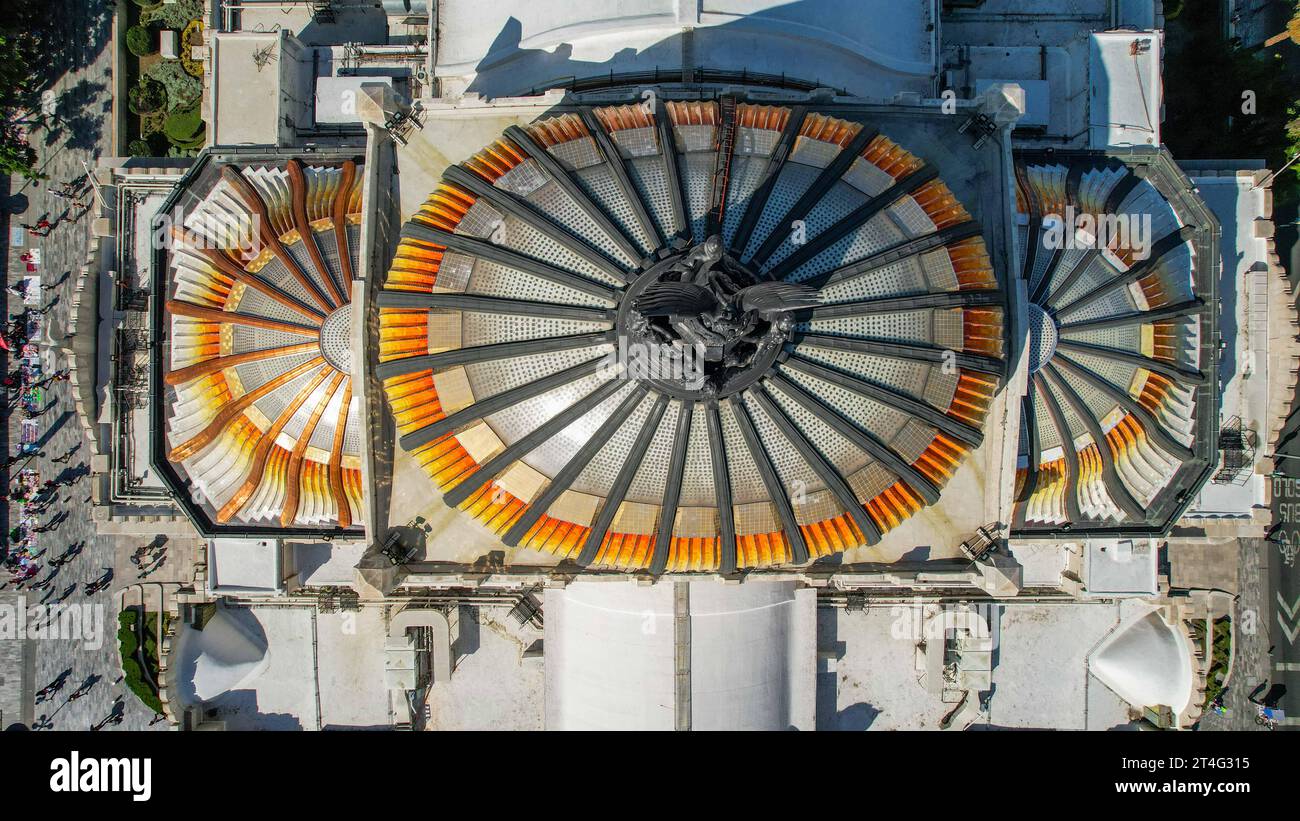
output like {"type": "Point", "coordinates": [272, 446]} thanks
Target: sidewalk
{"type": "Point", "coordinates": [81, 134]}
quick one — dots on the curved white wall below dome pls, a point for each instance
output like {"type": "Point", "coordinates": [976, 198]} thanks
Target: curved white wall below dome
{"type": "Point", "coordinates": [872, 48]}
{"type": "Point", "coordinates": [1146, 662]}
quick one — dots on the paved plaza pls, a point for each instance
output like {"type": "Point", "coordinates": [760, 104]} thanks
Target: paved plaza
{"type": "Point", "coordinates": [79, 135]}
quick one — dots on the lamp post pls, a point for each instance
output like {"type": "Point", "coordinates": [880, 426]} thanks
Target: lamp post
{"type": "Point", "coordinates": [1276, 474]}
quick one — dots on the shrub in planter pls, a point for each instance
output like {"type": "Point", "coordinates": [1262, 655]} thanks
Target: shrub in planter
{"type": "Point", "coordinates": [185, 128]}
{"type": "Point", "coordinates": [183, 90]}
{"type": "Point", "coordinates": [132, 675]}
{"type": "Point", "coordinates": [157, 142]}
{"type": "Point", "coordinates": [191, 37]}
{"type": "Point", "coordinates": [140, 41]}
{"type": "Point", "coordinates": [172, 15]}
{"type": "Point", "coordinates": [146, 96]}
{"type": "Point", "coordinates": [139, 148]}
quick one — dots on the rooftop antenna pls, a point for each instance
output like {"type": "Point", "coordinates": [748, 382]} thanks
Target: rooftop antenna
{"type": "Point", "coordinates": [264, 56]}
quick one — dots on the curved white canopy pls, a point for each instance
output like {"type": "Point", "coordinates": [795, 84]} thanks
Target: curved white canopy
{"type": "Point", "coordinates": [1146, 662]}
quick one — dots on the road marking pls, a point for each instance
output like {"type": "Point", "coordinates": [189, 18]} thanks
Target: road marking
{"type": "Point", "coordinates": [1291, 631]}
{"type": "Point", "coordinates": [1290, 721]}
{"type": "Point", "coordinates": [1290, 610]}
{"type": "Point", "coordinates": [1287, 666]}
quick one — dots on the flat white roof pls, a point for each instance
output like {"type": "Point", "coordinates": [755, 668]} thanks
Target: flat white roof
{"type": "Point", "coordinates": [874, 684]}
{"type": "Point", "coordinates": [245, 92]}
{"type": "Point", "coordinates": [494, 687]}
{"type": "Point", "coordinates": [1042, 562]}
{"type": "Point", "coordinates": [1120, 567]}
{"type": "Point", "coordinates": [327, 564]}
{"type": "Point", "coordinates": [1243, 302]}
{"type": "Point", "coordinates": [1125, 90]}
{"type": "Point", "coordinates": [244, 566]}
{"type": "Point", "coordinates": [168, 44]}
{"type": "Point", "coordinates": [1041, 679]}
{"type": "Point", "coordinates": [612, 651]}
{"type": "Point", "coordinates": [337, 97]}
{"type": "Point", "coordinates": [318, 671]}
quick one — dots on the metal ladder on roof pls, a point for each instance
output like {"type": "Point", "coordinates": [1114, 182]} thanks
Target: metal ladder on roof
{"type": "Point", "coordinates": [322, 11]}
{"type": "Point", "coordinates": [722, 166]}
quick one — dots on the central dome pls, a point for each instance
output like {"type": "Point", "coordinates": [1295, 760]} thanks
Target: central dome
{"type": "Point", "coordinates": [704, 337]}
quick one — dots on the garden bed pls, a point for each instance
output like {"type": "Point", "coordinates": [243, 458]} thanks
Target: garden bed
{"type": "Point", "coordinates": [167, 94]}
{"type": "Point", "coordinates": [1220, 652]}
{"type": "Point", "coordinates": [141, 680]}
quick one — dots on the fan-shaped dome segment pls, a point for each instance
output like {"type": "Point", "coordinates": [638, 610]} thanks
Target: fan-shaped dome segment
{"type": "Point", "coordinates": [703, 337]}
{"type": "Point", "coordinates": [261, 416]}
{"type": "Point", "coordinates": [1118, 424]}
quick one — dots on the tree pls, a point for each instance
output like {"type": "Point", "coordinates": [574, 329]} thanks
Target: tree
{"type": "Point", "coordinates": [140, 41]}
{"type": "Point", "coordinates": [19, 158]}
{"type": "Point", "coordinates": [146, 96]}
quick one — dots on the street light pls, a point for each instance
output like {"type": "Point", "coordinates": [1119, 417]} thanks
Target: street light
{"type": "Point", "coordinates": [1277, 474]}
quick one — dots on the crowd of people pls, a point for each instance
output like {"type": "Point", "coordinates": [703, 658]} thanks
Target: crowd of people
{"type": "Point", "coordinates": [73, 193]}
{"type": "Point", "coordinates": [25, 382]}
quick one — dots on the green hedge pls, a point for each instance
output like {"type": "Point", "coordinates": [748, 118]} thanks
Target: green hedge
{"type": "Point", "coordinates": [140, 41]}
{"type": "Point", "coordinates": [185, 128]}
{"type": "Point", "coordinates": [1220, 653]}
{"type": "Point", "coordinates": [132, 675]}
